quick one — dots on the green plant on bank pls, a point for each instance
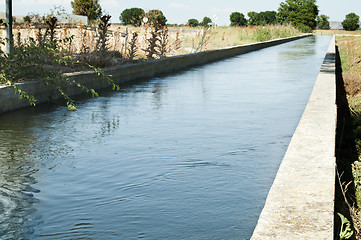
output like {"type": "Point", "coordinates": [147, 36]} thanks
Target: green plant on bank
{"type": "Point", "coordinates": [158, 42]}
{"type": "Point", "coordinates": [133, 46]}
{"type": "Point", "coordinates": [33, 61]}
{"type": "Point", "coordinates": [205, 36]}
{"type": "Point", "coordinates": [104, 25]}
{"type": "Point", "coordinates": [275, 31]}
{"type": "Point", "coordinates": [345, 232]}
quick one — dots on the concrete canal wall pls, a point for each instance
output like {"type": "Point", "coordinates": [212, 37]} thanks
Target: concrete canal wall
{"type": "Point", "coordinates": [300, 204]}
{"type": "Point", "coordinates": [125, 73]}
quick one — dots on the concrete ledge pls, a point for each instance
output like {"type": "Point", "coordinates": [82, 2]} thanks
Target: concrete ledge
{"type": "Point", "coordinates": [124, 73]}
{"type": "Point", "coordinates": [300, 204]}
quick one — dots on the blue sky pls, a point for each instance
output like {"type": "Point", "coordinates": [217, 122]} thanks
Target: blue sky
{"type": "Point", "coordinates": [178, 11]}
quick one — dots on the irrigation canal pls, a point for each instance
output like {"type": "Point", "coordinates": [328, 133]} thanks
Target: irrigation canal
{"type": "Point", "coordinates": [185, 156]}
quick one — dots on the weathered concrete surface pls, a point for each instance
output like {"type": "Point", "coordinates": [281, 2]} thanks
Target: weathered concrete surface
{"type": "Point", "coordinates": [124, 73]}
{"type": "Point", "coordinates": [300, 204]}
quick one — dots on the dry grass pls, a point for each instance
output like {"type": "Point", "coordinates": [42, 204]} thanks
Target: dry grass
{"type": "Point", "coordinates": [350, 53]}
{"type": "Point", "coordinates": [333, 32]}
{"type": "Point", "coordinates": [180, 40]}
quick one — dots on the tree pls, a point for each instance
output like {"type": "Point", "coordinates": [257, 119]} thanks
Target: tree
{"type": "Point", "coordinates": [267, 17]}
{"type": "Point", "coordinates": [252, 18]}
{"type": "Point", "coordinates": [156, 16]}
{"type": "Point", "coordinates": [193, 22]}
{"type": "Point", "coordinates": [132, 16]}
{"type": "Point", "coordinates": [89, 8]}
{"type": "Point", "coordinates": [262, 18]}
{"type": "Point", "coordinates": [322, 22]}
{"type": "Point", "coordinates": [301, 13]}
{"type": "Point", "coordinates": [351, 23]}
{"type": "Point", "coordinates": [205, 21]}
{"type": "Point", "coordinates": [26, 19]}
{"type": "Point", "coordinates": [237, 19]}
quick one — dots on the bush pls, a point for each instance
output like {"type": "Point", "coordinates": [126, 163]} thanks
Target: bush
{"type": "Point", "coordinates": [263, 34]}
{"type": "Point", "coordinates": [43, 60]}
{"type": "Point", "coordinates": [303, 28]}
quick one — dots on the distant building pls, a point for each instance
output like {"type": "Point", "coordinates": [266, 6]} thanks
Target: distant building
{"type": "Point", "coordinates": [336, 25]}
{"type": "Point", "coordinates": [72, 19]}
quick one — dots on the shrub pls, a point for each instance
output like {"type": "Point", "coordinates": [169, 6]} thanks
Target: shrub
{"type": "Point", "coordinates": [303, 28]}
{"type": "Point", "coordinates": [263, 34]}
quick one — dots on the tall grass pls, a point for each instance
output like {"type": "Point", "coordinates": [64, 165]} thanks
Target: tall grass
{"type": "Point", "coordinates": [232, 36]}
{"type": "Point", "coordinates": [275, 31]}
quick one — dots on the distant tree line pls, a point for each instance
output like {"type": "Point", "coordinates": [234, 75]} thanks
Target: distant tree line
{"type": "Point", "coordinates": [303, 14]}
{"type": "Point", "coordinates": [195, 23]}
{"type": "Point", "coordinates": [137, 16]}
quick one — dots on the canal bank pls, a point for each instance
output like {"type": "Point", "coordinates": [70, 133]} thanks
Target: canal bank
{"type": "Point", "coordinates": [126, 73]}
{"type": "Point", "coordinates": [300, 204]}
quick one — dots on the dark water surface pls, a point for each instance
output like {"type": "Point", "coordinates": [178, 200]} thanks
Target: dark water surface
{"type": "Point", "coordinates": [185, 156]}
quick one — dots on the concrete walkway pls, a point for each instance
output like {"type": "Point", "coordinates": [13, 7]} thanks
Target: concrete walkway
{"type": "Point", "coordinates": [300, 204]}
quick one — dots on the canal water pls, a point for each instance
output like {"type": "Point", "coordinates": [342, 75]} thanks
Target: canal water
{"type": "Point", "coordinates": [190, 155]}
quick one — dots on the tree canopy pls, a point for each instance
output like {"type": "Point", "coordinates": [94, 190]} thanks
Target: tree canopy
{"type": "Point", "coordinates": [205, 21]}
{"type": "Point", "coordinates": [351, 23]}
{"type": "Point", "coordinates": [156, 16]}
{"type": "Point", "coordinates": [262, 18]}
{"type": "Point", "coordinates": [132, 16]}
{"type": "Point", "coordinates": [89, 8]}
{"type": "Point", "coordinates": [237, 19]}
{"type": "Point", "coordinates": [322, 22]}
{"type": "Point", "coordinates": [193, 22]}
{"type": "Point", "coordinates": [301, 13]}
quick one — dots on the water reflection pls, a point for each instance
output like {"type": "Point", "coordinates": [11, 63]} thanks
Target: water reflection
{"type": "Point", "coordinates": [16, 177]}
{"type": "Point", "coordinates": [299, 50]}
